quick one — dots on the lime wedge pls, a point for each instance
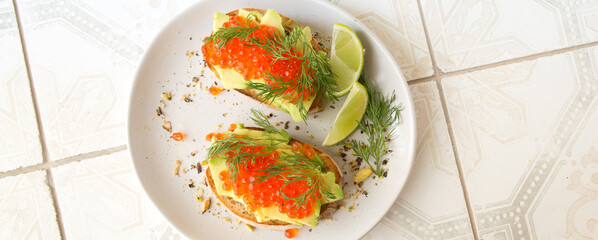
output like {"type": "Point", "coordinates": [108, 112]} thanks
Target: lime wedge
{"type": "Point", "coordinates": [348, 116]}
{"type": "Point", "coordinates": [346, 58]}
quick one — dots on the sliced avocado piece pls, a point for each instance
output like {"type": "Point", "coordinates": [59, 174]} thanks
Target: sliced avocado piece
{"type": "Point", "coordinates": [273, 19]}
{"type": "Point", "coordinates": [218, 165]}
{"type": "Point", "coordinates": [291, 108]}
{"type": "Point", "coordinates": [230, 78]}
{"type": "Point", "coordinates": [336, 190]}
{"type": "Point", "coordinates": [305, 39]}
{"type": "Point", "coordinates": [273, 213]}
{"type": "Point", "coordinates": [219, 20]}
{"type": "Point", "coordinates": [257, 15]}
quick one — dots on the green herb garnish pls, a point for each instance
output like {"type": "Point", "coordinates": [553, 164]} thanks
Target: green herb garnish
{"type": "Point", "coordinates": [315, 76]}
{"type": "Point", "coordinates": [290, 167]}
{"type": "Point", "coordinates": [378, 124]}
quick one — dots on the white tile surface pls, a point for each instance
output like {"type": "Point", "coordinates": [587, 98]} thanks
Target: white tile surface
{"type": "Point", "coordinates": [399, 25]}
{"type": "Point", "coordinates": [101, 198]}
{"type": "Point", "coordinates": [470, 33]}
{"type": "Point", "coordinates": [19, 141]}
{"type": "Point", "coordinates": [26, 208]}
{"type": "Point", "coordinates": [83, 56]}
{"type": "Point", "coordinates": [432, 204]}
{"type": "Point", "coordinates": [515, 127]}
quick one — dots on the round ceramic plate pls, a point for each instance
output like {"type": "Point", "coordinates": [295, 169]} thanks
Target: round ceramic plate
{"type": "Point", "coordinates": [170, 64]}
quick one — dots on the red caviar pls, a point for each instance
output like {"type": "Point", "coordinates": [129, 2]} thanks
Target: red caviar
{"type": "Point", "coordinates": [212, 135]}
{"type": "Point", "coordinates": [291, 232]}
{"type": "Point", "coordinates": [254, 62]}
{"type": "Point", "coordinates": [270, 191]}
{"type": "Point", "coordinates": [215, 90]}
{"type": "Point", "coordinates": [232, 127]}
{"type": "Point", "coordinates": [178, 136]}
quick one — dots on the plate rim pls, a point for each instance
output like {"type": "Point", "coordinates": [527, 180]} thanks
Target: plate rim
{"type": "Point", "coordinates": [386, 53]}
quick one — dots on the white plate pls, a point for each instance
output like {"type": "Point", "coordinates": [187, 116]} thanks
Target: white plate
{"type": "Point", "coordinates": [165, 67]}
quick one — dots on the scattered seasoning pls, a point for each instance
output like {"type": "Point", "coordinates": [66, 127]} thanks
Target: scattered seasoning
{"type": "Point", "coordinates": [177, 136]}
{"type": "Point", "coordinates": [332, 107]}
{"type": "Point", "coordinates": [226, 219]}
{"type": "Point", "coordinates": [198, 198]}
{"type": "Point", "coordinates": [191, 184]}
{"type": "Point", "coordinates": [343, 155]}
{"type": "Point", "coordinates": [249, 227]}
{"type": "Point", "coordinates": [385, 161]}
{"type": "Point", "coordinates": [206, 205]}
{"type": "Point", "coordinates": [276, 124]}
{"type": "Point", "coordinates": [286, 125]}
{"type": "Point", "coordinates": [361, 175]}
{"type": "Point", "coordinates": [359, 161]}
{"type": "Point", "coordinates": [385, 173]}
{"type": "Point", "coordinates": [159, 111]}
{"type": "Point", "coordinates": [195, 79]}
{"type": "Point", "coordinates": [193, 153]}
{"type": "Point", "coordinates": [176, 169]}
{"type": "Point", "coordinates": [311, 136]}
{"type": "Point", "coordinates": [187, 99]}
{"type": "Point", "coordinates": [198, 168]}
{"type": "Point", "coordinates": [167, 96]}
{"type": "Point", "coordinates": [167, 126]}
{"type": "Point", "coordinates": [296, 127]}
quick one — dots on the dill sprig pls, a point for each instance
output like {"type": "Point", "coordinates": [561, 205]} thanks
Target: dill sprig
{"type": "Point", "coordinates": [224, 35]}
{"type": "Point", "coordinates": [378, 124]}
{"type": "Point", "coordinates": [315, 73]}
{"type": "Point", "coordinates": [294, 167]}
{"type": "Point", "coordinates": [290, 167]}
{"type": "Point", "coordinates": [234, 143]}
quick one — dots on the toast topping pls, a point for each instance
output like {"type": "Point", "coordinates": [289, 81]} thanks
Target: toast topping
{"type": "Point", "coordinates": [279, 65]}
{"type": "Point", "coordinates": [269, 171]}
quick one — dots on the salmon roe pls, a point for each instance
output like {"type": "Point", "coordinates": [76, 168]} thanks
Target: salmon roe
{"type": "Point", "coordinates": [254, 62]}
{"type": "Point", "coordinates": [291, 232]}
{"type": "Point", "coordinates": [269, 192]}
{"type": "Point", "coordinates": [178, 136]}
{"type": "Point", "coordinates": [215, 90]}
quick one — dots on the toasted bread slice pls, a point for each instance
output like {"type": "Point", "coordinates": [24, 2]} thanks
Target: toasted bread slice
{"type": "Point", "coordinates": [237, 208]}
{"type": "Point", "coordinates": [316, 106]}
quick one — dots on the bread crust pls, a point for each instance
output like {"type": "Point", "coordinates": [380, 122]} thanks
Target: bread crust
{"type": "Point", "coordinates": [316, 106]}
{"type": "Point", "coordinates": [237, 208]}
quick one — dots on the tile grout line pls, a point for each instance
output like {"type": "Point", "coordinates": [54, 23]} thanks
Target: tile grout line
{"type": "Point", "coordinates": [421, 80]}
{"type": "Point", "coordinates": [520, 59]}
{"type": "Point", "coordinates": [64, 161]}
{"type": "Point", "coordinates": [40, 128]}
{"type": "Point", "coordinates": [438, 74]}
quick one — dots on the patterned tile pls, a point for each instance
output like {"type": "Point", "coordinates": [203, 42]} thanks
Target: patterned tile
{"type": "Point", "coordinates": [525, 134]}
{"type": "Point", "coordinates": [101, 198]}
{"type": "Point", "coordinates": [26, 208]}
{"type": "Point", "coordinates": [470, 33]}
{"type": "Point", "coordinates": [398, 24]}
{"type": "Point", "coordinates": [419, 213]}
{"type": "Point", "coordinates": [83, 55]}
{"type": "Point", "coordinates": [19, 142]}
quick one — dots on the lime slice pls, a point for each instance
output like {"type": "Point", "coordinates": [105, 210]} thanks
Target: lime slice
{"type": "Point", "coordinates": [346, 58]}
{"type": "Point", "coordinates": [348, 116]}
